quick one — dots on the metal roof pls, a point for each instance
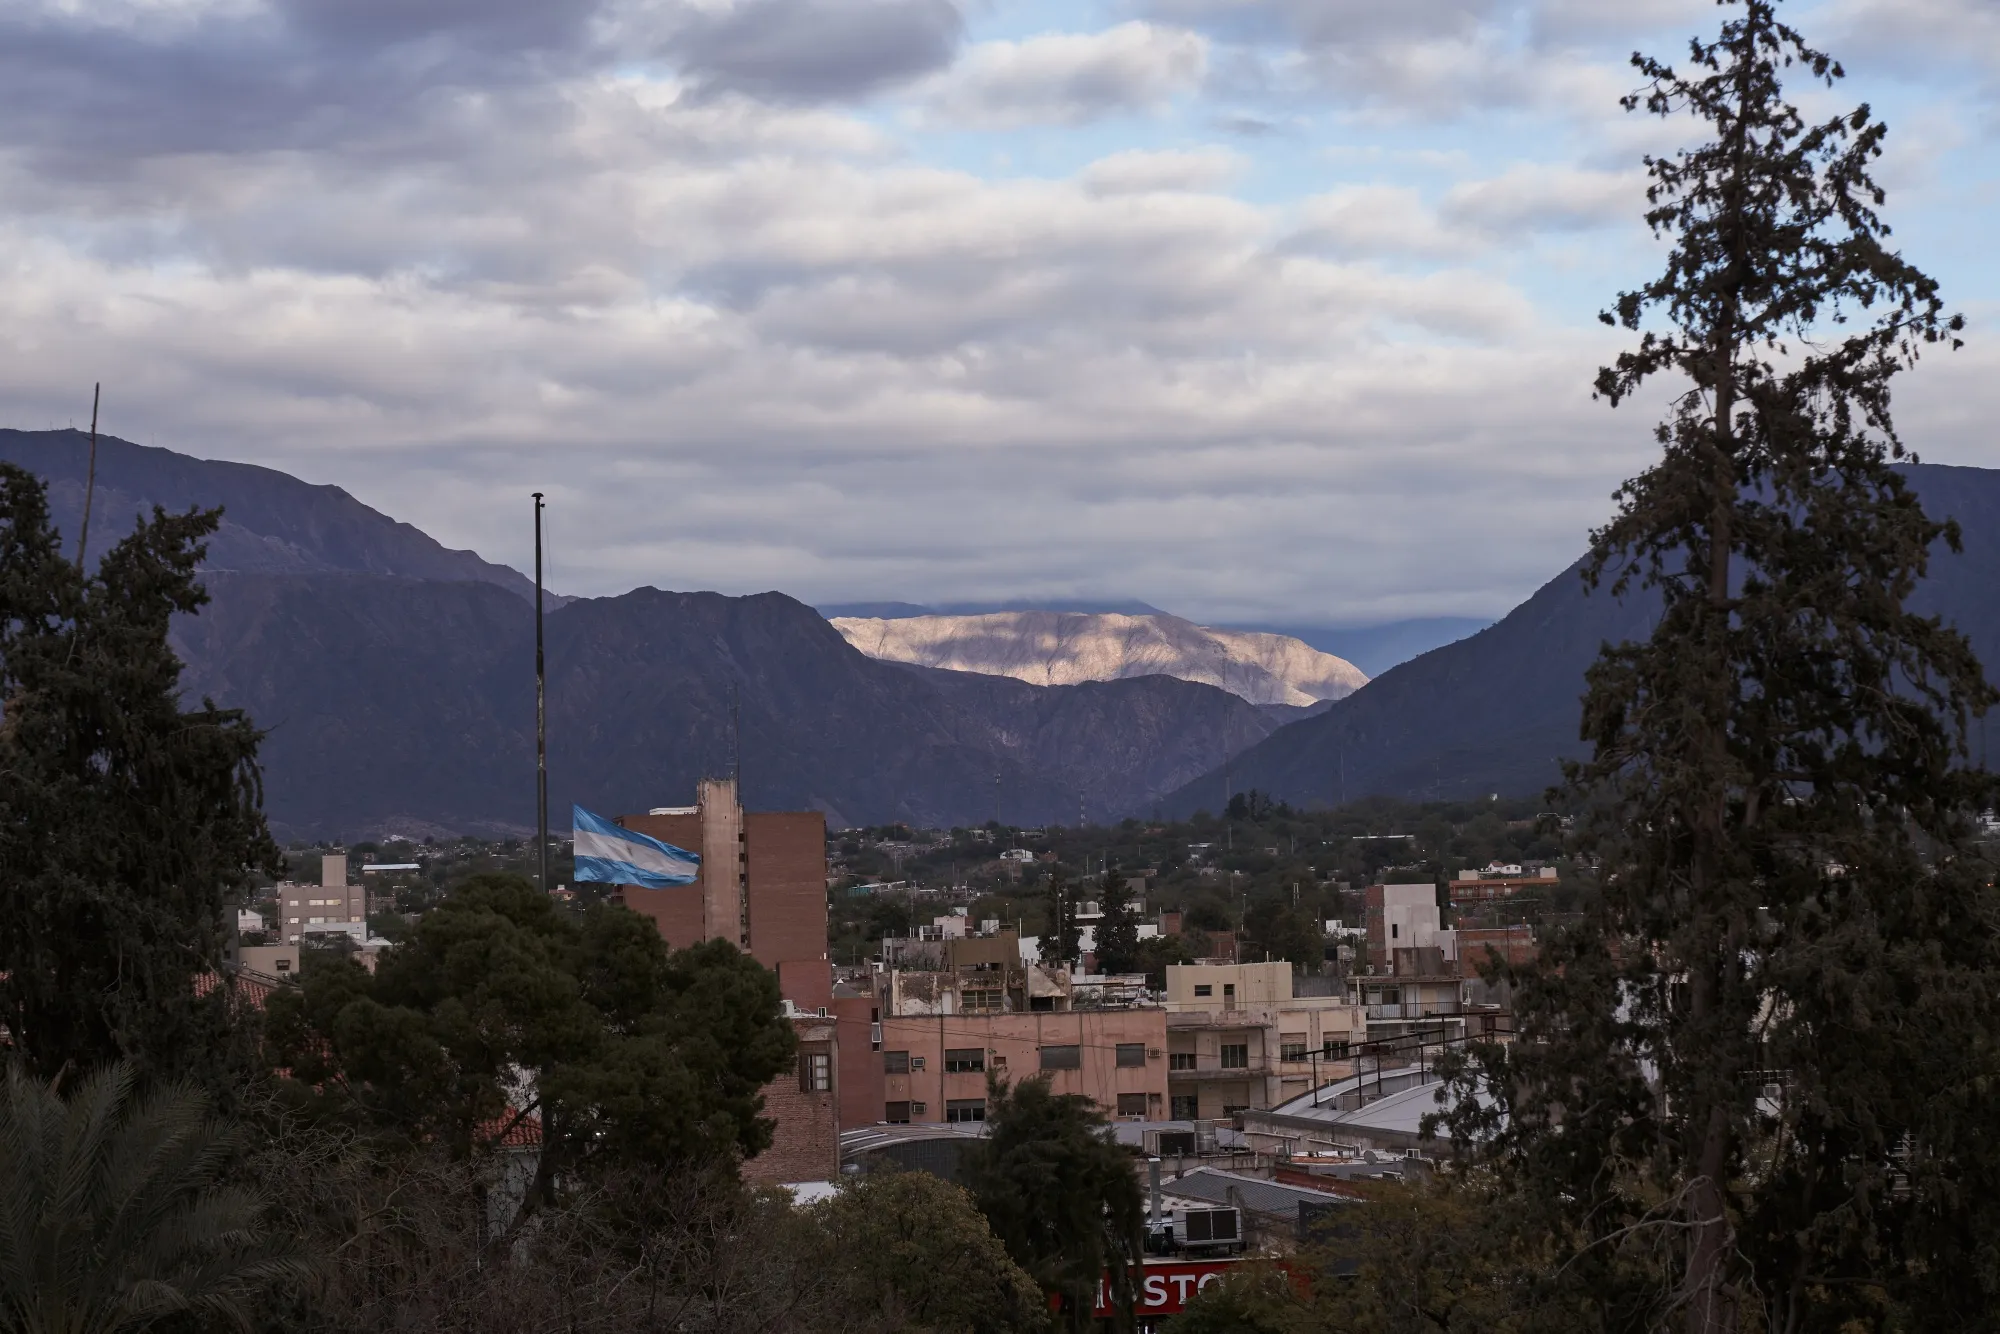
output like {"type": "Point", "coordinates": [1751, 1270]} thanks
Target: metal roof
{"type": "Point", "coordinates": [867, 1138]}
{"type": "Point", "coordinates": [1215, 1186]}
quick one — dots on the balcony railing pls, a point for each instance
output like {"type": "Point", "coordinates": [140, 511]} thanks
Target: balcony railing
{"type": "Point", "coordinates": [1416, 1010]}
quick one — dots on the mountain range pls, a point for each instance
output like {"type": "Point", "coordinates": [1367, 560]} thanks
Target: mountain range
{"type": "Point", "coordinates": [1053, 648]}
{"type": "Point", "coordinates": [394, 678]}
{"type": "Point", "coordinates": [1499, 710]}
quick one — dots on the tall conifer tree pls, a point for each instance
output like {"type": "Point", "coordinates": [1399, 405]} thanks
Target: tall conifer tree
{"type": "Point", "coordinates": [1747, 1091]}
{"type": "Point", "coordinates": [1118, 930]}
{"type": "Point", "coordinates": [126, 820]}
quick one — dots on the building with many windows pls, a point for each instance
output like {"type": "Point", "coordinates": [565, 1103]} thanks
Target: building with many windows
{"type": "Point", "coordinates": [935, 1067]}
{"type": "Point", "coordinates": [1238, 1037]}
{"type": "Point", "coordinates": [331, 906]}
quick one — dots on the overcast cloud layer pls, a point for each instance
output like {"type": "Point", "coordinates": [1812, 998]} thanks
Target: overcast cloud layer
{"type": "Point", "coordinates": [1276, 310]}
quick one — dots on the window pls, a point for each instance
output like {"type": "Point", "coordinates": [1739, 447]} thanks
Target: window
{"type": "Point", "coordinates": [1203, 989]}
{"type": "Point", "coordinates": [815, 1072]}
{"type": "Point", "coordinates": [981, 1002]}
{"type": "Point", "coordinates": [1131, 1104]}
{"type": "Point", "coordinates": [896, 1113]}
{"type": "Point", "coordinates": [895, 1063]}
{"type": "Point", "coordinates": [1232, 1108]}
{"type": "Point", "coordinates": [964, 1060]}
{"type": "Point", "coordinates": [1186, 1106]}
{"type": "Point", "coordinates": [1132, 1053]}
{"type": "Point", "coordinates": [1236, 1056]}
{"type": "Point", "coordinates": [1395, 930]}
{"type": "Point", "coordinates": [1292, 1049]}
{"type": "Point", "coordinates": [965, 1109]}
{"type": "Point", "coordinates": [1062, 1058]}
{"type": "Point", "coordinates": [1335, 1050]}
{"type": "Point", "coordinates": [1228, 991]}
{"type": "Point", "coordinates": [1180, 1060]}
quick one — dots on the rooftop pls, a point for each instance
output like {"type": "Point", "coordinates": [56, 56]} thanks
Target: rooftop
{"type": "Point", "coordinates": [1212, 1185]}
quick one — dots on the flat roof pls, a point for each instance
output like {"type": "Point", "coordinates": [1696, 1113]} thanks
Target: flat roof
{"type": "Point", "coordinates": [1402, 1111]}
{"type": "Point", "coordinates": [1212, 1185]}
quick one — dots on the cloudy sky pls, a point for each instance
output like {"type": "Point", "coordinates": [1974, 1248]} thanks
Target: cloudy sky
{"type": "Point", "coordinates": [1259, 310]}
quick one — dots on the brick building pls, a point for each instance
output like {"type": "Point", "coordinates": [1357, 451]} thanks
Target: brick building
{"type": "Point", "coordinates": [762, 885]}
{"type": "Point", "coordinates": [805, 1104]}
{"type": "Point", "coordinates": [934, 1067]}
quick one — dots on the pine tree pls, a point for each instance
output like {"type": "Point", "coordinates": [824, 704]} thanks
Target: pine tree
{"type": "Point", "coordinates": [1062, 941]}
{"type": "Point", "coordinates": [126, 821]}
{"type": "Point", "coordinates": [1746, 1091]}
{"type": "Point", "coordinates": [1061, 1195]}
{"type": "Point", "coordinates": [1118, 932]}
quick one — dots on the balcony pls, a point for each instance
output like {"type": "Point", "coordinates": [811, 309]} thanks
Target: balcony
{"type": "Point", "coordinates": [1215, 1074]}
{"type": "Point", "coordinates": [1416, 1010]}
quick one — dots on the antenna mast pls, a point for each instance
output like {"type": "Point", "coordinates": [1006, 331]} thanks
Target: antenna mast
{"type": "Point", "coordinates": [90, 482]}
{"type": "Point", "coordinates": [541, 717]}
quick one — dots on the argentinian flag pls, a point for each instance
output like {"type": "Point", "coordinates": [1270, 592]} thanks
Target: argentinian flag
{"type": "Point", "coordinates": [614, 855]}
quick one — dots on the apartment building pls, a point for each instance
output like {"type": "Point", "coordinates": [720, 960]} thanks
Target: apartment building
{"type": "Point", "coordinates": [934, 1067]}
{"type": "Point", "coordinates": [762, 885]}
{"type": "Point", "coordinates": [332, 905]}
{"type": "Point", "coordinates": [1239, 1036]}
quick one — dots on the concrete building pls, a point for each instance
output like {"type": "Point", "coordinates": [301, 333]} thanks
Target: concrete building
{"type": "Point", "coordinates": [1401, 917]}
{"type": "Point", "coordinates": [331, 905]}
{"type": "Point", "coordinates": [762, 886]}
{"type": "Point", "coordinates": [934, 1068]}
{"type": "Point", "coordinates": [1238, 1037]}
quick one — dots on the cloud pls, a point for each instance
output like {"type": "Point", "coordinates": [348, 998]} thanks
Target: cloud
{"type": "Point", "coordinates": [1366, 221]}
{"type": "Point", "coordinates": [846, 371]}
{"type": "Point", "coordinates": [1068, 78]}
{"type": "Point", "coordinates": [1534, 197]}
{"type": "Point", "coordinates": [645, 255]}
{"type": "Point", "coordinates": [818, 50]}
{"type": "Point", "coordinates": [1140, 171]}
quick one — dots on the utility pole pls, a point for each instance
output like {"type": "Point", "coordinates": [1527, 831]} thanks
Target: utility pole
{"type": "Point", "coordinates": [541, 717]}
{"type": "Point", "coordinates": [90, 480]}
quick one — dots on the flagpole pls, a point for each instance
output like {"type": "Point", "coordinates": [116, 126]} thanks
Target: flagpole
{"type": "Point", "coordinates": [541, 717]}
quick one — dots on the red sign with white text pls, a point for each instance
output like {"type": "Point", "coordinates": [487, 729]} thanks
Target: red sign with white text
{"type": "Point", "coordinates": [1166, 1288]}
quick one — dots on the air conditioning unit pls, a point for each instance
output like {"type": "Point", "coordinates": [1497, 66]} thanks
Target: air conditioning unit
{"type": "Point", "coordinates": [875, 1034]}
{"type": "Point", "coordinates": [1154, 1053]}
{"type": "Point", "coordinates": [916, 1063]}
{"type": "Point", "coordinates": [1219, 1228]}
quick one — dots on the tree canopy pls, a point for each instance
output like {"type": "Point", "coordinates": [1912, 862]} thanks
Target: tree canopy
{"type": "Point", "coordinates": [503, 1013]}
{"type": "Point", "coordinates": [914, 1253]}
{"type": "Point", "coordinates": [1060, 1194]}
{"type": "Point", "coordinates": [127, 822]}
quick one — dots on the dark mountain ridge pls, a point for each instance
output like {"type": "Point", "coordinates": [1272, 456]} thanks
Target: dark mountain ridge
{"type": "Point", "coordinates": [408, 705]}
{"type": "Point", "coordinates": [272, 523]}
{"type": "Point", "coordinates": [1500, 710]}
